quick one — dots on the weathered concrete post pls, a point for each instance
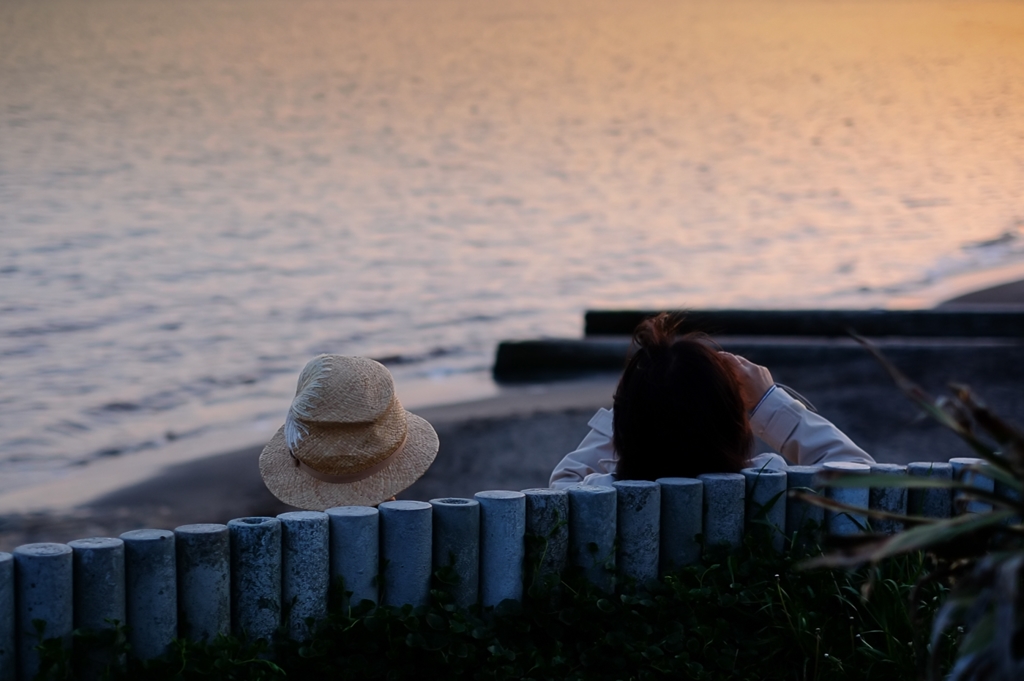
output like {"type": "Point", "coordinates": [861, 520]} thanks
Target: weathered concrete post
{"type": "Point", "coordinates": [592, 518]}
{"type": "Point", "coordinates": [405, 537]}
{"type": "Point", "coordinates": [305, 569]}
{"type": "Point", "coordinates": [502, 545]}
{"type": "Point", "coordinates": [43, 577]}
{"type": "Point", "coordinates": [99, 582]}
{"type": "Point", "coordinates": [255, 576]}
{"type": "Point", "coordinates": [889, 499]}
{"type": "Point", "coordinates": [800, 514]}
{"type": "Point", "coordinates": [151, 591]}
{"type": "Point", "coordinates": [456, 544]}
{"type": "Point", "coordinates": [930, 503]}
{"type": "Point", "coordinates": [847, 523]}
{"type": "Point", "coordinates": [8, 660]}
{"type": "Point", "coordinates": [724, 498]}
{"type": "Point", "coordinates": [355, 551]}
{"type": "Point", "coordinates": [204, 580]}
{"type": "Point", "coordinates": [1008, 492]}
{"type": "Point", "coordinates": [547, 532]}
{"type": "Point", "coordinates": [962, 472]}
{"type": "Point", "coordinates": [682, 501]}
{"type": "Point", "coordinates": [99, 591]}
{"type": "Point", "coordinates": [638, 524]}
{"type": "Point", "coordinates": [766, 500]}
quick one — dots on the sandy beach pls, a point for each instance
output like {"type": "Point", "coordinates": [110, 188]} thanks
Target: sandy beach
{"type": "Point", "coordinates": [507, 441]}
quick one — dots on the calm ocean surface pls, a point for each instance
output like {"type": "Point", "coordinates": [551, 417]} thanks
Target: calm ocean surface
{"type": "Point", "coordinates": [197, 196]}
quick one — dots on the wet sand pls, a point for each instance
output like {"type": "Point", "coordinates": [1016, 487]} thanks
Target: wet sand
{"type": "Point", "coordinates": [510, 441]}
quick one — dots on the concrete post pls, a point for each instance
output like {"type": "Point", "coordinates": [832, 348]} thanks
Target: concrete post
{"type": "Point", "coordinates": [547, 532]}
{"type": "Point", "coordinates": [960, 472]}
{"type": "Point", "coordinates": [766, 500]}
{"type": "Point", "coordinates": [43, 581]}
{"type": "Point", "coordinates": [99, 593]}
{"type": "Point", "coordinates": [1010, 493]}
{"type": "Point", "coordinates": [204, 580]}
{"type": "Point", "coordinates": [889, 499]}
{"type": "Point", "coordinates": [355, 552]}
{"type": "Point", "coordinates": [405, 537]}
{"type": "Point", "coordinates": [305, 569]}
{"type": "Point", "coordinates": [151, 591]}
{"type": "Point", "coordinates": [592, 518]}
{"type": "Point", "coordinates": [502, 545]}
{"type": "Point", "coordinates": [847, 523]}
{"type": "Point", "coordinates": [724, 498]}
{"type": "Point", "coordinates": [682, 501]}
{"type": "Point", "coordinates": [638, 525]}
{"type": "Point", "coordinates": [99, 582]}
{"type": "Point", "coordinates": [456, 544]}
{"type": "Point", "coordinates": [255, 576]}
{"type": "Point", "coordinates": [930, 503]}
{"type": "Point", "coordinates": [8, 660]}
{"type": "Point", "coordinates": [800, 514]}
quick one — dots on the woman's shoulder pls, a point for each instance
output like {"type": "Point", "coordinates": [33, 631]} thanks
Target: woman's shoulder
{"type": "Point", "coordinates": [602, 422]}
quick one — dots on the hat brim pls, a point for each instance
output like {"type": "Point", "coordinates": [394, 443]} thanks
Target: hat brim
{"type": "Point", "coordinates": [293, 486]}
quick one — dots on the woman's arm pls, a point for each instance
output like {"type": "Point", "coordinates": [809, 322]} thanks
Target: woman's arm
{"type": "Point", "coordinates": [594, 461]}
{"type": "Point", "coordinates": [802, 436]}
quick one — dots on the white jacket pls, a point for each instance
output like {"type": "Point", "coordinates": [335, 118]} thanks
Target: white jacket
{"type": "Point", "coordinates": [803, 437]}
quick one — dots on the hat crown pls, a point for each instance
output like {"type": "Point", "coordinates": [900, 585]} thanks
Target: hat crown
{"type": "Point", "coordinates": [339, 389]}
{"type": "Point", "coordinates": [349, 399]}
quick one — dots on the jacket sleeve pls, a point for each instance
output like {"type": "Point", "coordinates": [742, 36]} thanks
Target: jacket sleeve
{"type": "Point", "coordinates": [800, 435]}
{"type": "Point", "coordinates": [593, 461]}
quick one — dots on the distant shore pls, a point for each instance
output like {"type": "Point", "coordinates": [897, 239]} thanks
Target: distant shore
{"type": "Point", "coordinates": [507, 441]}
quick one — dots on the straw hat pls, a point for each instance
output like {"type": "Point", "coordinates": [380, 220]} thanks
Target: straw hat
{"type": "Point", "coordinates": [347, 441]}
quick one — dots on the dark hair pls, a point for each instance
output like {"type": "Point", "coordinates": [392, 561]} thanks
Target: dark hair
{"type": "Point", "coordinates": [678, 407]}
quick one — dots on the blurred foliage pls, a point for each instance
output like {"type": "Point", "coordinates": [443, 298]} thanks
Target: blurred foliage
{"type": "Point", "coordinates": [978, 553]}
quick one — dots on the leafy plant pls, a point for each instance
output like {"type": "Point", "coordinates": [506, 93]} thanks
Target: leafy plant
{"type": "Point", "coordinates": [979, 554]}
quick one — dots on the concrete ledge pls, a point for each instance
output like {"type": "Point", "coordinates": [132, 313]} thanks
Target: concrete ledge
{"type": "Point", "coordinates": [947, 322]}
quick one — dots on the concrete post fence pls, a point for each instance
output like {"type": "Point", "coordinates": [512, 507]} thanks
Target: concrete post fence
{"type": "Point", "coordinates": [682, 500]}
{"type": "Point", "coordinates": [925, 502]}
{"type": "Point", "coordinates": [305, 569]}
{"type": "Point", "coordinates": [203, 556]}
{"type": "Point", "coordinates": [406, 530]}
{"type": "Point", "coordinates": [457, 546]}
{"type": "Point", "coordinates": [964, 469]}
{"type": "Point", "coordinates": [724, 501]}
{"type": "Point", "coordinates": [891, 499]}
{"type": "Point", "coordinates": [44, 576]}
{"type": "Point", "coordinates": [799, 513]}
{"type": "Point", "coordinates": [841, 522]}
{"type": "Point", "coordinates": [592, 530]}
{"type": "Point", "coordinates": [547, 531]}
{"type": "Point", "coordinates": [8, 660]}
{"type": "Point", "coordinates": [151, 591]}
{"type": "Point", "coordinates": [638, 527]}
{"type": "Point", "coordinates": [253, 574]}
{"type": "Point", "coordinates": [502, 545]}
{"type": "Point", "coordinates": [355, 551]}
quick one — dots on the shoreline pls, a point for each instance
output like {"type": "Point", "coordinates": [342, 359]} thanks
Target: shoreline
{"type": "Point", "coordinates": [502, 436]}
{"type": "Point", "coordinates": [545, 420]}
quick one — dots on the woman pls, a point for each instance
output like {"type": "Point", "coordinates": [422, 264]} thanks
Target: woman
{"type": "Point", "coordinates": [683, 407]}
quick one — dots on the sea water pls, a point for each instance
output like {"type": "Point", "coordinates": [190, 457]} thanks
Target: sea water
{"type": "Point", "coordinates": [196, 196]}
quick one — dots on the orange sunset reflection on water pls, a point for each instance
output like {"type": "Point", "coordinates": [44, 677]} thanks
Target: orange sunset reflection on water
{"type": "Point", "coordinates": [196, 196]}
